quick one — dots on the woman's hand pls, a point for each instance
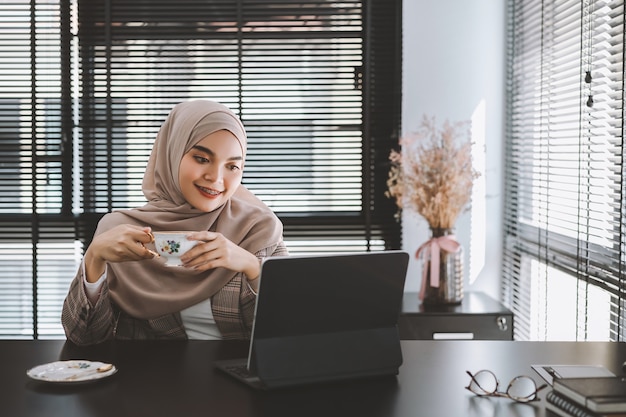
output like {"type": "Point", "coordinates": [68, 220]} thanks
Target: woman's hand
{"type": "Point", "coordinates": [122, 243]}
{"type": "Point", "coordinates": [214, 250]}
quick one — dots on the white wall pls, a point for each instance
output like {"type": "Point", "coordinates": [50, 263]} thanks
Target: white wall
{"type": "Point", "coordinates": [454, 68]}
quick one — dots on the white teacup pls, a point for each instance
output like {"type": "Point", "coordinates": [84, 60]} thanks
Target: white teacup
{"type": "Point", "coordinates": [172, 245]}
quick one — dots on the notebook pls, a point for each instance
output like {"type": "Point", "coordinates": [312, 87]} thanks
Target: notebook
{"type": "Point", "coordinates": [324, 318]}
{"type": "Point", "coordinates": [598, 394]}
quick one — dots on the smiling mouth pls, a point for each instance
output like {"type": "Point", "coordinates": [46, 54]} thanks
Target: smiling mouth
{"type": "Point", "coordinates": [209, 191]}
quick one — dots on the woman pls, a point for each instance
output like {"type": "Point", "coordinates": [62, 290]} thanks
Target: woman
{"type": "Point", "coordinates": [192, 183]}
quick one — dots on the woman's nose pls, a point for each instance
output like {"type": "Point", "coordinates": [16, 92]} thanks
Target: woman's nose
{"type": "Point", "coordinates": [214, 174]}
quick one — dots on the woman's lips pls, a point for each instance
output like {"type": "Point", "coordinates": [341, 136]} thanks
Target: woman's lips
{"type": "Point", "coordinates": [209, 192]}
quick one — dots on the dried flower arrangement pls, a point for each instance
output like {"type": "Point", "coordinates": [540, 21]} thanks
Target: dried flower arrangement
{"type": "Point", "coordinates": [433, 172]}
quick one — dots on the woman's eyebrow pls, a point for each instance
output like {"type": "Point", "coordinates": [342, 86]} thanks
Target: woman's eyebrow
{"type": "Point", "coordinates": [211, 153]}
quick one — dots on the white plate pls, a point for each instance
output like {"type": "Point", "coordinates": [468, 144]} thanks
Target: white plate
{"type": "Point", "coordinates": [69, 372]}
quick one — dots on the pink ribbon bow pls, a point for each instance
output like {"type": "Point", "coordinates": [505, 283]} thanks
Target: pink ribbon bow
{"type": "Point", "coordinates": [431, 251]}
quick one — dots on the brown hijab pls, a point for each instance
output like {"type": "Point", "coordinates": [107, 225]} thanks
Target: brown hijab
{"type": "Point", "coordinates": [149, 289]}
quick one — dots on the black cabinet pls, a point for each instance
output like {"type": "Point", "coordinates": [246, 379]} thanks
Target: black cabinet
{"type": "Point", "coordinates": [478, 317]}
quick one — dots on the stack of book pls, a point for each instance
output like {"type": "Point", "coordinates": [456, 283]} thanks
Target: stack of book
{"type": "Point", "coordinates": [588, 397]}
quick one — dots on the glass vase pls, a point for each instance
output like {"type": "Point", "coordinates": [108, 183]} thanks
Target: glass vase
{"type": "Point", "coordinates": [449, 288]}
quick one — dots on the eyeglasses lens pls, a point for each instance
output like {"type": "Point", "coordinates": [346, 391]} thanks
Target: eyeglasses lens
{"type": "Point", "coordinates": [484, 383]}
{"type": "Point", "coordinates": [522, 388]}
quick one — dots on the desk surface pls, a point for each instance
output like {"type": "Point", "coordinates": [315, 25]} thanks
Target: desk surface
{"type": "Point", "coordinates": [178, 379]}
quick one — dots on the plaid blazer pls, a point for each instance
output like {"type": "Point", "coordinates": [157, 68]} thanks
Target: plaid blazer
{"type": "Point", "coordinates": [86, 324]}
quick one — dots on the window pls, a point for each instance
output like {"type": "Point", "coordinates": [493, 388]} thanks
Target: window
{"type": "Point", "coordinates": [565, 207]}
{"type": "Point", "coordinates": [88, 82]}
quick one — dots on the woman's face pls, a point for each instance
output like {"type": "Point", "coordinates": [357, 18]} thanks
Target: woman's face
{"type": "Point", "coordinates": [211, 171]}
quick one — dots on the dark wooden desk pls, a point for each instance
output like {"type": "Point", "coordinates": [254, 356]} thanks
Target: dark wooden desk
{"type": "Point", "coordinates": [178, 379]}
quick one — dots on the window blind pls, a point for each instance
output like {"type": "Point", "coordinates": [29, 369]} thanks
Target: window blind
{"type": "Point", "coordinates": [87, 84]}
{"type": "Point", "coordinates": [293, 72]}
{"type": "Point", "coordinates": [38, 249]}
{"type": "Point", "coordinates": [564, 250]}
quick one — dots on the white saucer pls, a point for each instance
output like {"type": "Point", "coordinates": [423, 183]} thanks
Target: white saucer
{"type": "Point", "coordinates": [69, 372]}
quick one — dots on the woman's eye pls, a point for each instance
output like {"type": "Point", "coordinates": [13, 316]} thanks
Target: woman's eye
{"type": "Point", "coordinates": [201, 159]}
{"type": "Point", "coordinates": [234, 167]}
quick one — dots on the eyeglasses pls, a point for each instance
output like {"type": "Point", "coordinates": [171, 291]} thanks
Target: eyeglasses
{"type": "Point", "coordinates": [521, 388]}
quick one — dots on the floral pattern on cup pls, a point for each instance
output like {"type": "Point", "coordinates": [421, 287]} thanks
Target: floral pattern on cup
{"type": "Point", "coordinates": [172, 245]}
